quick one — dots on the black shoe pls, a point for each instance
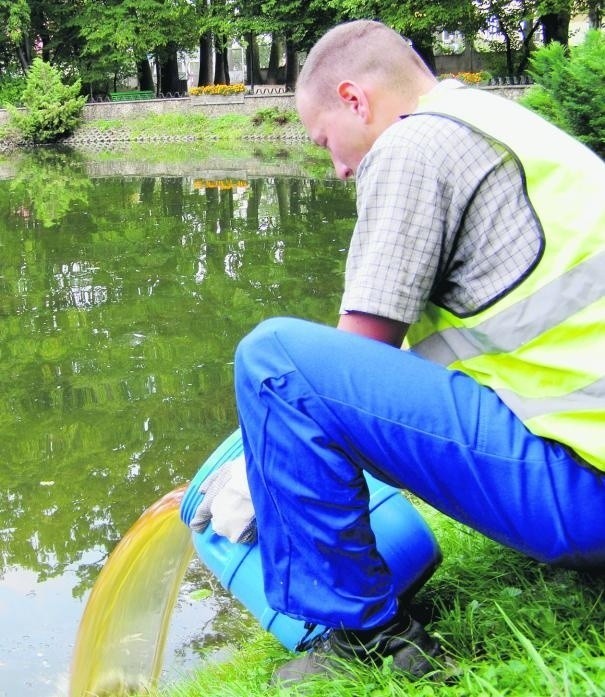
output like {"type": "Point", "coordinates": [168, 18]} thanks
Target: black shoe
{"type": "Point", "coordinates": [403, 638]}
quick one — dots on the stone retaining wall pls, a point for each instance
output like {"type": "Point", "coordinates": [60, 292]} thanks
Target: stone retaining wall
{"type": "Point", "coordinates": [211, 105]}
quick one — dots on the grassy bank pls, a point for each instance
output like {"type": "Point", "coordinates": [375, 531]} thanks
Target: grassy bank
{"type": "Point", "coordinates": [269, 123]}
{"type": "Point", "coordinates": [266, 124]}
{"type": "Point", "coordinates": [512, 627]}
{"type": "Point", "coordinates": [270, 142]}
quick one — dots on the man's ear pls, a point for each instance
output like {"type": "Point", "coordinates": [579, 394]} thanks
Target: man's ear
{"type": "Point", "coordinates": [354, 96]}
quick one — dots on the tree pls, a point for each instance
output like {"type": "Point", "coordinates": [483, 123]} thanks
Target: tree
{"type": "Point", "coordinates": [202, 11]}
{"type": "Point", "coordinates": [554, 16]}
{"type": "Point", "coordinates": [51, 109]}
{"type": "Point", "coordinates": [221, 63]}
{"type": "Point", "coordinates": [215, 26]}
{"type": "Point", "coordinates": [42, 27]}
{"type": "Point", "coordinates": [120, 34]}
{"type": "Point", "coordinates": [15, 18]}
{"type": "Point", "coordinates": [167, 65]}
{"type": "Point", "coordinates": [205, 71]}
{"type": "Point", "coordinates": [516, 24]}
{"type": "Point", "coordinates": [415, 19]}
{"type": "Point", "coordinates": [299, 24]}
{"type": "Point", "coordinates": [594, 9]}
{"type": "Point", "coordinates": [277, 48]}
{"type": "Point", "coordinates": [253, 60]}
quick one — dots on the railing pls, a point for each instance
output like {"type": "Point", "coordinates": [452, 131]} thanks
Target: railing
{"type": "Point", "coordinates": [131, 96]}
{"type": "Point", "coordinates": [134, 95]}
{"type": "Point", "coordinates": [510, 80]}
{"type": "Point", "coordinates": [268, 89]}
{"type": "Point", "coordinates": [264, 90]}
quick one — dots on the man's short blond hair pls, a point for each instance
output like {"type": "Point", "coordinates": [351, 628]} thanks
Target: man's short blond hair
{"type": "Point", "coordinates": [359, 49]}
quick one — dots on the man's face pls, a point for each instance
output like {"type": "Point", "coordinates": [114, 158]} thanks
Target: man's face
{"type": "Point", "coordinates": [339, 130]}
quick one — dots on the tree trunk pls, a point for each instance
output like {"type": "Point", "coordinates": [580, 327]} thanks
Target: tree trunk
{"type": "Point", "coordinates": [226, 65]}
{"type": "Point", "coordinates": [291, 64]}
{"type": "Point", "coordinates": [24, 56]}
{"type": "Point", "coordinates": [158, 74]}
{"type": "Point", "coordinates": [510, 64]}
{"type": "Point", "coordinates": [526, 50]}
{"type": "Point", "coordinates": [595, 14]}
{"type": "Point", "coordinates": [274, 59]}
{"type": "Point", "coordinates": [253, 72]}
{"type": "Point", "coordinates": [219, 61]}
{"type": "Point", "coordinates": [170, 73]}
{"type": "Point", "coordinates": [205, 72]}
{"type": "Point", "coordinates": [555, 27]}
{"type": "Point", "coordinates": [144, 75]}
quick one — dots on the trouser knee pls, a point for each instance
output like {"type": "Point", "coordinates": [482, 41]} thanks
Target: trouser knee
{"type": "Point", "coordinates": [259, 351]}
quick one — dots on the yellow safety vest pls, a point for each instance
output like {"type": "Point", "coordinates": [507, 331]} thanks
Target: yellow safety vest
{"type": "Point", "coordinates": [541, 346]}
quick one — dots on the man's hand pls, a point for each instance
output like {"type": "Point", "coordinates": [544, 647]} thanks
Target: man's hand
{"type": "Point", "coordinates": [227, 503]}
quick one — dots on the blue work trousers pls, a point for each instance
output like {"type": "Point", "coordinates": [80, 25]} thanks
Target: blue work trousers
{"type": "Point", "coordinates": [318, 405]}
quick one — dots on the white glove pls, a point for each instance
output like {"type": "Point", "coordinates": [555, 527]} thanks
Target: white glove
{"type": "Point", "coordinates": [227, 503]}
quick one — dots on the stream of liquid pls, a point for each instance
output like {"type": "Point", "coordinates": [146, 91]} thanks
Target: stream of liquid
{"type": "Point", "coordinates": [123, 630]}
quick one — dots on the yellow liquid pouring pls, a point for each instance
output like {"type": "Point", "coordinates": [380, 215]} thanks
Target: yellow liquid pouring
{"type": "Point", "coordinates": [122, 634]}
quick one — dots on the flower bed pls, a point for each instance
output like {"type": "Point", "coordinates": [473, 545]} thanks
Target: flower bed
{"type": "Point", "coordinates": [222, 90]}
{"type": "Point", "coordinates": [468, 78]}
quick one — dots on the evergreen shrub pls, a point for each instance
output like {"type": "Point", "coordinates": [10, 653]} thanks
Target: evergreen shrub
{"type": "Point", "coordinates": [570, 89]}
{"type": "Point", "coordinates": [52, 110]}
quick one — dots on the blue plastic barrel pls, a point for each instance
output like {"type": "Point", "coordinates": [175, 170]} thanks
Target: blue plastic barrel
{"type": "Point", "coordinates": [403, 539]}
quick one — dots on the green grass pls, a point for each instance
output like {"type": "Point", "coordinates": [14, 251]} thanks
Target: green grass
{"type": "Point", "coordinates": [231, 127]}
{"type": "Point", "coordinates": [106, 125]}
{"type": "Point", "coordinates": [510, 625]}
{"type": "Point", "coordinates": [228, 130]}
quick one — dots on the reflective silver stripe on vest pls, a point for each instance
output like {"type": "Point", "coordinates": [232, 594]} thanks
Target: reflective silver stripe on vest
{"type": "Point", "coordinates": [587, 399]}
{"type": "Point", "coordinates": [548, 307]}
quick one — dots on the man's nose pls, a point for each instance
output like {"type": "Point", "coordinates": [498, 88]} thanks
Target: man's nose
{"type": "Point", "coordinates": [342, 171]}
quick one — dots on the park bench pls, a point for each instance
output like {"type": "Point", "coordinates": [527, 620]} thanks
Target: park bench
{"type": "Point", "coordinates": [131, 96]}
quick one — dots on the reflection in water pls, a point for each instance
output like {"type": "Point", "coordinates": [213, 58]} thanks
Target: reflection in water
{"type": "Point", "coordinates": [74, 283]}
{"type": "Point", "coordinates": [49, 183]}
{"type": "Point", "coordinates": [121, 303]}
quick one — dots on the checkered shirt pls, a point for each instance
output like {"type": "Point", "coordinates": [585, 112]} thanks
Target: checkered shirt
{"type": "Point", "coordinates": [442, 216]}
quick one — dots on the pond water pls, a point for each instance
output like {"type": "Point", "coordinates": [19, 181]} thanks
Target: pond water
{"type": "Point", "coordinates": [125, 285]}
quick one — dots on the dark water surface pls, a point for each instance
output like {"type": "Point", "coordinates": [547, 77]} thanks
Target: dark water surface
{"type": "Point", "coordinates": [125, 285]}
